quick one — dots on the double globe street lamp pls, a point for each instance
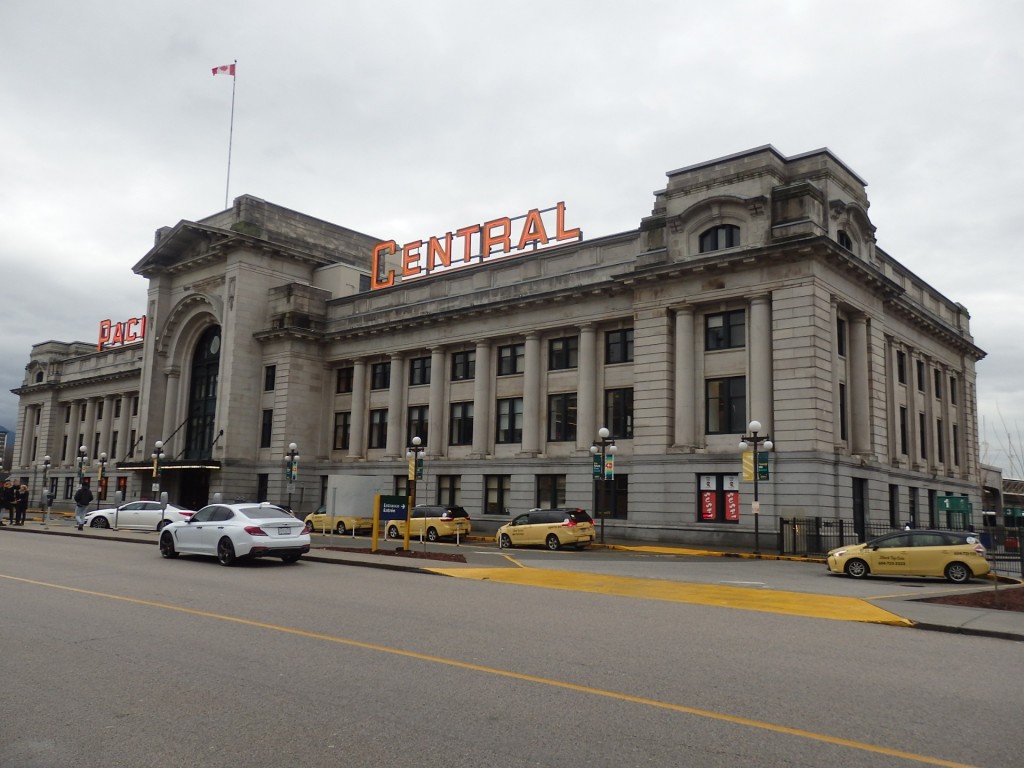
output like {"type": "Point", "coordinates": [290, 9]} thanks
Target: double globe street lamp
{"type": "Point", "coordinates": [605, 447]}
{"type": "Point", "coordinates": [756, 442]}
{"type": "Point", "coordinates": [291, 472]}
{"type": "Point", "coordinates": [415, 456]}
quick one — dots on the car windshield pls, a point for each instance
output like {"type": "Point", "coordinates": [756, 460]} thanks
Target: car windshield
{"type": "Point", "coordinates": [265, 513]}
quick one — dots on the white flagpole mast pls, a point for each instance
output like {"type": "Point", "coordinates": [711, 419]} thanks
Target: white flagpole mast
{"type": "Point", "coordinates": [231, 130]}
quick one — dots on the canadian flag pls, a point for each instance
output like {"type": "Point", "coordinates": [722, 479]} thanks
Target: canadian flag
{"type": "Point", "coordinates": [226, 69]}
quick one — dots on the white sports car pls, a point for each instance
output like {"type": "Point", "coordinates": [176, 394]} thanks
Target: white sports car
{"type": "Point", "coordinates": [140, 515]}
{"type": "Point", "coordinates": [232, 531]}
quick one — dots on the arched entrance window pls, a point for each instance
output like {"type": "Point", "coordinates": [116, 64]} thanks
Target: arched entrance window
{"type": "Point", "coordinates": [202, 396]}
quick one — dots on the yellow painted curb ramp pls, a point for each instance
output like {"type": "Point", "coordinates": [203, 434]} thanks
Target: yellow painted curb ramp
{"type": "Point", "coordinates": [742, 598]}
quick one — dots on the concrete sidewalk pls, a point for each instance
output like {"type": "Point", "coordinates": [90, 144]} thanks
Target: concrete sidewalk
{"type": "Point", "coordinates": [346, 550]}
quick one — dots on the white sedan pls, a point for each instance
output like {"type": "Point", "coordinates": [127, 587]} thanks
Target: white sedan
{"type": "Point", "coordinates": [232, 531]}
{"type": "Point", "coordinates": [140, 515]}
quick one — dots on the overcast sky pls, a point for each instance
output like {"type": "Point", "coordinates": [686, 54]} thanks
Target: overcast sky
{"type": "Point", "coordinates": [409, 119]}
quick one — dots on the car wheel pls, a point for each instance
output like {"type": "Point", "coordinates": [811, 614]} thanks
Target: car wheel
{"type": "Point", "coordinates": [162, 524]}
{"type": "Point", "coordinates": [392, 531]}
{"type": "Point", "coordinates": [99, 522]}
{"type": "Point", "coordinates": [167, 546]}
{"type": "Point", "coordinates": [506, 541]}
{"type": "Point", "coordinates": [226, 551]}
{"type": "Point", "coordinates": [432, 534]}
{"type": "Point", "coordinates": [340, 528]}
{"type": "Point", "coordinates": [292, 558]}
{"type": "Point", "coordinates": [553, 542]}
{"type": "Point", "coordinates": [958, 573]}
{"type": "Point", "coordinates": [857, 569]}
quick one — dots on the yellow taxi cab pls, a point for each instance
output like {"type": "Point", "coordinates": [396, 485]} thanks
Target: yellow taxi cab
{"type": "Point", "coordinates": [322, 522]}
{"type": "Point", "coordinates": [552, 528]}
{"type": "Point", "coordinates": [433, 521]}
{"type": "Point", "coordinates": [957, 555]}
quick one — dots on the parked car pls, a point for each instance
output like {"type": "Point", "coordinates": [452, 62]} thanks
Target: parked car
{"type": "Point", "coordinates": [553, 528]}
{"type": "Point", "coordinates": [232, 531]}
{"type": "Point", "coordinates": [140, 515]}
{"type": "Point", "coordinates": [321, 521]}
{"type": "Point", "coordinates": [435, 521]}
{"type": "Point", "coordinates": [956, 555]}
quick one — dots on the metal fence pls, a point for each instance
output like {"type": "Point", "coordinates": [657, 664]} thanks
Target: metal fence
{"type": "Point", "coordinates": [815, 536]}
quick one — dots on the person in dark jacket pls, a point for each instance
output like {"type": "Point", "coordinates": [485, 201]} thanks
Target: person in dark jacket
{"type": "Point", "coordinates": [7, 495]}
{"type": "Point", "coordinates": [20, 505]}
{"type": "Point", "coordinates": [83, 497]}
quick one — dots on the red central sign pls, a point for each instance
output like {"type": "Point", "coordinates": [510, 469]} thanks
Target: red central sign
{"type": "Point", "coordinates": [119, 334]}
{"type": "Point", "coordinates": [473, 244]}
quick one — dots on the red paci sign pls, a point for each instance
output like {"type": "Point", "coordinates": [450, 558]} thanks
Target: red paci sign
{"type": "Point", "coordinates": [732, 505]}
{"type": "Point", "coordinates": [119, 334]}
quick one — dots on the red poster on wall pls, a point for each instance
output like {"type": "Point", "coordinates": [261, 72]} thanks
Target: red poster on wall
{"type": "Point", "coordinates": [707, 505]}
{"type": "Point", "coordinates": [732, 505]}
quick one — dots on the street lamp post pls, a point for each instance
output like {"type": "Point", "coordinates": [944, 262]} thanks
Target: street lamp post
{"type": "Point", "coordinates": [415, 456]}
{"type": "Point", "coordinates": [755, 441]}
{"type": "Point", "coordinates": [291, 472]}
{"type": "Point", "coordinates": [99, 477]}
{"type": "Point", "coordinates": [157, 456]}
{"type": "Point", "coordinates": [46, 492]}
{"type": "Point", "coordinates": [604, 447]}
{"type": "Point", "coordinates": [83, 460]}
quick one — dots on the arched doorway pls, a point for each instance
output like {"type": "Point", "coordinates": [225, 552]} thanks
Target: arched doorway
{"type": "Point", "coordinates": [194, 487]}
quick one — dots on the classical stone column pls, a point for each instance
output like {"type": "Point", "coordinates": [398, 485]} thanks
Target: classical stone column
{"type": "Point", "coordinates": [531, 395]}
{"type": "Point", "coordinates": [89, 430]}
{"type": "Point", "coordinates": [395, 447]}
{"type": "Point", "coordinates": [124, 428]}
{"type": "Point", "coordinates": [860, 398]}
{"type": "Point", "coordinates": [587, 409]}
{"type": "Point", "coordinates": [436, 414]}
{"type": "Point", "coordinates": [173, 380]}
{"type": "Point", "coordinates": [483, 395]}
{"type": "Point", "coordinates": [357, 431]}
{"type": "Point", "coordinates": [762, 373]}
{"type": "Point", "coordinates": [107, 426]}
{"type": "Point", "coordinates": [686, 408]}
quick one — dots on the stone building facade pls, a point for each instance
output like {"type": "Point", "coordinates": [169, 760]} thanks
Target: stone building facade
{"type": "Point", "coordinates": [754, 290]}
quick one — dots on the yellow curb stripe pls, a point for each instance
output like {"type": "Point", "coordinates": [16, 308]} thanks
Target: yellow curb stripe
{"type": "Point", "coordinates": [742, 598]}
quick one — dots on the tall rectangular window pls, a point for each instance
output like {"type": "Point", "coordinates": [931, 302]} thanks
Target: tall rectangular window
{"type": "Point", "coordinates": [498, 494]}
{"type": "Point", "coordinates": [342, 430]}
{"type": "Point", "coordinates": [67, 415]}
{"type": "Point", "coordinates": [618, 346]}
{"type": "Point", "coordinates": [841, 336]}
{"type": "Point", "coordinates": [419, 371]}
{"type": "Point", "coordinates": [903, 430]}
{"type": "Point", "coordinates": [618, 412]}
{"type": "Point", "coordinates": [419, 423]}
{"type": "Point", "coordinates": [562, 417]}
{"type": "Point", "coordinates": [135, 406]}
{"type": "Point", "coordinates": [563, 353]}
{"type": "Point", "coordinates": [894, 506]}
{"type": "Point", "coordinates": [463, 365]}
{"type": "Point", "coordinates": [117, 408]}
{"type": "Point", "coordinates": [266, 428]}
{"type": "Point", "coordinates": [920, 375]}
{"type": "Point", "coordinates": [922, 434]}
{"type": "Point", "coordinates": [449, 490]}
{"type": "Point", "coordinates": [343, 379]}
{"type": "Point", "coordinates": [510, 420]}
{"type": "Point", "coordinates": [725, 330]}
{"type": "Point", "coordinates": [952, 390]}
{"type": "Point", "coordinates": [956, 445]}
{"type": "Point", "coordinates": [940, 442]}
{"type": "Point", "coordinates": [380, 375]}
{"type": "Point", "coordinates": [842, 412]}
{"type": "Point", "coordinates": [269, 377]}
{"type": "Point", "coordinates": [113, 444]}
{"type": "Point", "coordinates": [901, 367]}
{"type": "Point", "coordinates": [511, 359]}
{"type": "Point", "coordinates": [99, 410]}
{"type": "Point", "coordinates": [725, 405]}
{"type": "Point", "coordinates": [550, 491]}
{"type": "Point", "coordinates": [460, 425]}
{"type": "Point", "coordinates": [938, 384]}
{"type": "Point", "coordinates": [378, 437]}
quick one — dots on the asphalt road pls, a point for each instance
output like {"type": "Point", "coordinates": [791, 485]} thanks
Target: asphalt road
{"type": "Point", "coordinates": [111, 656]}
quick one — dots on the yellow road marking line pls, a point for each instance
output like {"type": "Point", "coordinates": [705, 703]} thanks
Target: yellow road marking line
{"type": "Point", "coordinates": [665, 705]}
{"type": "Point", "coordinates": [743, 598]}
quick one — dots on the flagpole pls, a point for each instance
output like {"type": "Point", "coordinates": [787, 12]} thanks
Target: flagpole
{"type": "Point", "coordinates": [231, 131]}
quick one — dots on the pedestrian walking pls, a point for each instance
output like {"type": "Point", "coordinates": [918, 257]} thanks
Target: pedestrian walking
{"type": "Point", "coordinates": [20, 505]}
{"type": "Point", "coordinates": [83, 497]}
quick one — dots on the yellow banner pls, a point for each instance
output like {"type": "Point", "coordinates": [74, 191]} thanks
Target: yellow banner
{"type": "Point", "coordinates": [748, 466]}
